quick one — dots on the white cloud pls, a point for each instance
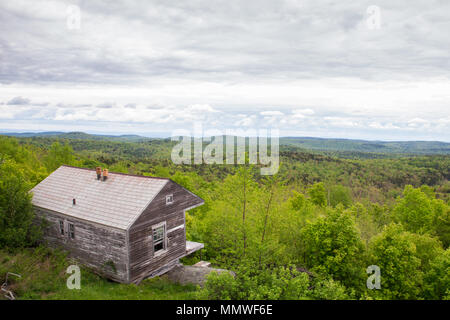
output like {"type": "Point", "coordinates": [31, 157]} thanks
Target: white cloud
{"type": "Point", "coordinates": [18, 101]}
{"type": "Point", "coordinates": [306, 66]}
{"type": "Point", "coordinates": [201, 108]}
{"type": "Point", "coordinates": [272, 113]}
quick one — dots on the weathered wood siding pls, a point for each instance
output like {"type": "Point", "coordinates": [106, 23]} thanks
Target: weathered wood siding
{"type": "Point", "coordinates": [96, 246]}
{"type": "Point", "coordinates": [142, 261]}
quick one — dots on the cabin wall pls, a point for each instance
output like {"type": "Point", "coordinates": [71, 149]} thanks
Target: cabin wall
{"type": "Point", "coordinates": [101, 248]}
{"type": "Point", "coordinates": [143, 262]}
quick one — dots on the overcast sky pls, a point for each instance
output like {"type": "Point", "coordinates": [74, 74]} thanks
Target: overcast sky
{"type": "Point", "coordinates": [308, 68]}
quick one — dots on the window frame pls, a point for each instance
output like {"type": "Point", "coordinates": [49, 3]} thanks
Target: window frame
{"type": "Point", "coordinates": [62, 229]}
{"type": "Point", "coordinates": [163, 239]}
{"type": "Point", "coordinates": [169, 196]}
{"type": "Point", "coordinates": [71, 231]}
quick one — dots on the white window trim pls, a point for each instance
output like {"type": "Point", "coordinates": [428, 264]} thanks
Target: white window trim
{"type": "Point", "coordinates": [167, 199]}
{"type": "Point", "coordinates": [164, 250]}
{"type": "Point", "coordinates": [175, 228]}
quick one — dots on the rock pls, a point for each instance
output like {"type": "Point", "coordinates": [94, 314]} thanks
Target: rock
{"type": "Point", "coordinates": [203, 264]}
{"type": "Point", "coordinates": [192, 274]}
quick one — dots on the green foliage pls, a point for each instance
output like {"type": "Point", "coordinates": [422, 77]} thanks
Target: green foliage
{"type": "Point", "coordinates": [332, 245]}
{"type": "Point", "coordinates": [441, 222]}
{"type": "Point", "coordinates": [328, 289]}
{"type": "Point", "coordinates": [44, 276]}
{"type": "Point", "coordinates": [16, 214]}
{"type": "Point", "coordinates": [419, 212]}
{"type": "Point", "coordinates": [246, 221]}
{"type": "Point", "coordinates": [396, 255]}
{"type": "Point", "coordinates": [318, 194]}
{"type": "Point", "coordinates": [339, 194]}
{"type": "Point", "coordinates": [367, 220]}
{"type": "Point", "coordinates": [281, 283]}
{"type": "Point", "coordinates": [258, 226]}
{"type": "Point", "coordinates": [58, 155]}
{"type": "Point", "coordinates": [219, 286]}
{"type": "Point", "coordinates": [121, 167]}
{"type": "Point", "coordinates": [27, 157]}
{"type": "Point", "coordinates": [414, 210]}
{"type": "Point", "coordinates": [437, 277]}
{"type": "Point", "coordinates": [298, 200]}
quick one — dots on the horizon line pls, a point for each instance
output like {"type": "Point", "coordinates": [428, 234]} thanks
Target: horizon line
{"type": "Point", "coordinates": [161, 136]}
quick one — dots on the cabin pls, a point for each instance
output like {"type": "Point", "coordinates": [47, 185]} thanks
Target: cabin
{"type": "Point", "coordinates": [125, 227]}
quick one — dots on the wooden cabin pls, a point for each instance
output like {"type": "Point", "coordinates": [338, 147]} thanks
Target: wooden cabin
{"type": "Point", "coordinates": [125, 227]}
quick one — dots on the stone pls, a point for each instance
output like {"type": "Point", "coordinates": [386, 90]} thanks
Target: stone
{"type": "Point", "coordinates": [192, 274]}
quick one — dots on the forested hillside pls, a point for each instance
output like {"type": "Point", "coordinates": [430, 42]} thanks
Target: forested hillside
{"type": "Point", "coordinates": [342, 147]}
{"type": "Point", "coordinates": [348, 145]}
{"type": "Point", "coordinates": [308, 232]}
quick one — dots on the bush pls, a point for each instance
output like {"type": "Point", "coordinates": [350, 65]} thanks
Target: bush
{"type": "Point", "coordinates": [16, 212]}
{"type": "Point", "coordinates": [281, 283]}
{"type": "Point", "coordinates": [437, 277]}
{"type": "Point", "coordinates": [419, 212]}
{"type": "Point", "coordinates": [328, 289]}
{"type": "Point", "coordinates": [221, 286]}
{"type": "Point", "coordinates": [332, 246]}
{"type": "Point", "coordinates": [317, 194]}
{"type": "Point", "coordinates": [396, 256]}
{"type": "Point", "coordinates": [340, 195]}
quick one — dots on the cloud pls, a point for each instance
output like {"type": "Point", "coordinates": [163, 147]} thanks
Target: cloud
{"type": "Point", "coordinates": [106, 105]}
{"type": "Point", "coordinates": [41, 104]}
{"type": "Point", "coordinates": [302, 112]}
{"type": "Point", "coordinates": [272, 113]}
{"type": "Point", "coordinates": [200, 108]}
{"type": "Point", "coordinates": [307, 66]}
{"type": "Point", "coordinates": [18, 101]}
{"type": "Point", "coordinates": [116, 43]}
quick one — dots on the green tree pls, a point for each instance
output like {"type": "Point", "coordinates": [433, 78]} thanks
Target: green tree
{"type": "Point", "coordinates": [396, 256]}
{"type": "Point", "coordinates": [420, 213]}
{"type": "Point", "coordinates": [437, 277]}
{"type": "Point", "coordinates": [339, 194]}
{"type": "Point", "coordinates": [26, 156]}
{"type": "Point", "coordinates": [298, 200]}
{"type": "Point", "coordinates": [441, 222]}
{"type": "Point", "coordinates": [332, 245]}
{"type": "Point", "coordinates": [58, 155]}
{"type": "Point", "coordinates": [16, 213]}
{"type": "Point", "coordinates": [281, 283]}
{"type": "Point", "coordinates": [328, 289]}
{"type": "Point", "coordinates": [318, 194]}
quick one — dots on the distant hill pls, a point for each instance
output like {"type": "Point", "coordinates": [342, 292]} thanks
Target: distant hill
{"type": "Point", "coordinates": [348, 145]}
{"type": "Point", "coordinates": [79, 136]}
{"type": "Point", "coordinates": [341, 146]}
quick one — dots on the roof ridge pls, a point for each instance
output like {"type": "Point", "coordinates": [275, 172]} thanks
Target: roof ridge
{"type": "Point", "coordinates": [121, 173]}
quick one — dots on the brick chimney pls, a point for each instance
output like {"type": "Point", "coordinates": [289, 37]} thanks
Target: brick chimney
{"type": "Point", "coordinates": [105, 174]}
{"type": "Point", "coordinates": [99, 172]}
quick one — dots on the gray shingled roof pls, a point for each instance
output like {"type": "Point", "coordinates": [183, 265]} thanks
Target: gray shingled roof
{"type": "Point", "coordinates": [116, 202]}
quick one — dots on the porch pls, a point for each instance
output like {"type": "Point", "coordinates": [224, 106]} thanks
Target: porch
{"type": "Point", "coordinates": [192, 246]}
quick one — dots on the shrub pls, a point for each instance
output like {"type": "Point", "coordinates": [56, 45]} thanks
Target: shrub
{"type": "Point", "coordinates": [16, 213]}
{"type": "Point", "coordinates": [274, 284]}
{"type": "Point", "coordinates": [332, 246]}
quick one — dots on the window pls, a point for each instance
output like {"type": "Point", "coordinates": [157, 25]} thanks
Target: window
{"type": "Point", "coordinates": [71, 231]}
{"type": "Point", "coordinates": [159, 238]}
{"type": "Point", "coordinates": [61, 227]}
{"type": "Point", "coordinates": [169, 199]}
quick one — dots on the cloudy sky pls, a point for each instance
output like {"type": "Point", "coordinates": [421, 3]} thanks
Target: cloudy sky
{"type": "Point", "coordinates": [307, 67]}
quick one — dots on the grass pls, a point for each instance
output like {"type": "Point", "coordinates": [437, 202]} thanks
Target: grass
{"type": "Point", "coordinates": [44, 276]}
